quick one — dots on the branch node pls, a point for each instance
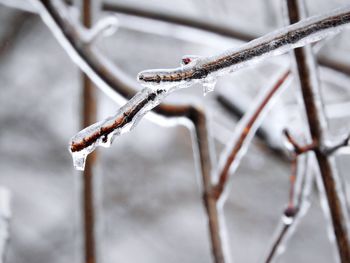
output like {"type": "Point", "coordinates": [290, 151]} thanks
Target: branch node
{"type": "Point", "coordinates": [294, 148]}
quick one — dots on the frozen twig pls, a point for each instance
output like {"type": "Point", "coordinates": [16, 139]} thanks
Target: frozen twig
{"type": "Point", "coordinates": [300, 188]}
{"type": "Point", "coordinates": [177, 19]}
{"type": "Point", "coordinates": [278, 42]}
{"type": "Point", "coordinates": [318, 129]}
{"type": "Point", "coordinates": [243, 133]}
{"type": "Point", "coordinates": [183, 21]}
{"type": "Point", "coordinates": [119, 87]}
{"type": "Point", "coordinates": [335, 146]}
{"type": "Point", "coordinates": [94, 65]}
{"type": "Point", "coordinates": [213, 208]}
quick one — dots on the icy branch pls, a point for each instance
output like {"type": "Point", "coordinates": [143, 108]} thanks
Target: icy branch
{"type": "Point", "coordinates": [231, 156]}
{"type": "Point", "coordinates": [317, 122]}
{"type": "Point", "coordinates": [335, 146]}
{"type": "Point", "coordinates": [304, 32]}
{"type": "Point", "coordinates": [298, 203]}
{"type": "Point", "coordinates": [102, 133]}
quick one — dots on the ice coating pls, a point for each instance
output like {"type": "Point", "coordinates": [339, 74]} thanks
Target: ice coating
{"type": "Point", "coordinates": [189, 59]}
{"type": "Point", "coordinates": [290, 220]}
{"type": "Point", "coordinates": [209, 85]}
{"type": "Point", "coordinates": [247, 118]}
{"type": "Point", "coordinates": [276, 43]}
{"type": "Point", "coordinates": [102, 133]}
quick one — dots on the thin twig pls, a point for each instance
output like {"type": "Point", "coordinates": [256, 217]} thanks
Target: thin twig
{"type": "Point", "coordinates": [298, 193]}
{"type": "Point", "coordinates": [189, 22]}
{"type": "Point", "coordinates": [89, 111]}
{"type": "Point", "coordinates": [211, 205]}
{"type": "Point", "coordinates": [245, 132]}
{"type": "Point", "coordinates": [318, 127]}
{"type": "Point", "coordinates": [329, 150]}
{"type": "Point", "coordinates": [237, 112]}
{"type": "Point", "coordinates": [278, 42]}
{"type": "Point", "coordinates": [297, 149]}
{"type": "Point", "coordinates": [177, 19]}
{"type": "Point", "coordinates": [116, 84]}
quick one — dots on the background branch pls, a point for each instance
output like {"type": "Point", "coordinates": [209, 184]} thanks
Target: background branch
{"type": "Point", "coordinates": [89, 112]}
{"type": "Point", "coordinates": [243, 133]}
{"type": "Point", "coordinates": [300, 188]}
{"type": "Point", "coordinates": [101, 71]}
{"type": "Point", "coordinates": [318, 127]}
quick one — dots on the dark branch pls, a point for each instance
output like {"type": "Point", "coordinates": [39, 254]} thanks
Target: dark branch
{"type": "Point", "coordinates": [236, 148]}
{"type": "Point", "coordinates": [318, 127]}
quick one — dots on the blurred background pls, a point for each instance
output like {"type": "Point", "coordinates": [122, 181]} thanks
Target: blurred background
{"type": "Point", "coordinates": [148, 198]}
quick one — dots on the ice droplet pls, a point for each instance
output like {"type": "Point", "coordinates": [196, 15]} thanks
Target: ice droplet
{"type": "Point", "coordinates": [79, 159]}
{"type": "Point", "coordinates": [208, 85]}
{"type": "Point", "coordinates": [287, 220]}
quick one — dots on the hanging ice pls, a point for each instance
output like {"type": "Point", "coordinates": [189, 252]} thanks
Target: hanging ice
{"type": "Point", "coordinates": [209, 85]}
{"type": "Point", "coordinates": [102, 133]}
{"type": "Point", "coordinates": [79, 159]}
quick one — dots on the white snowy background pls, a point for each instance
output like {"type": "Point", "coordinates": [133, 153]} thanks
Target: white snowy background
{"type": "Point", "coordinates": [148, 198]}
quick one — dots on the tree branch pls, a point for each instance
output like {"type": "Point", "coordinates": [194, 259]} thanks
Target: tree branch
{"type": "Point", "coordinates": [318, 127]}
{"type": "Point", "coordinates": [275, 43]}
{"type": "Point", "coordinates": [115, 83]}
{"type": "Point", "coordinates": [89, 112]}
{"type": "Point", "coordinates": [300, 188]}
{"type": "Point", "coordinates": [245, 130]}
{"type": "Point", "coordinates": [213, 209]}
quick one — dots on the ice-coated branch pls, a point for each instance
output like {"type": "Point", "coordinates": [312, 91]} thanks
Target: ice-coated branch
{"type": "Point", "coordinates": [115, 84]}
{"type": "Point", "coordinates": [231, 156]}
{"type": "Point", "coordinates": [202, 149]}
{"type": "Point", "coordinates": [182, 21]}
{"type": "Point", "coordinates": [317, 123]}
{"type": "Point", "coordinates": [104, 27]}
{"type": "Point", "coordinates": [102, 133]}
{"type": "Point", "coordinates": [305, 32]}
{"type": "Point", "coordinates": [177, 19]}
{"type": "Point", "coordinates": [298, 202]}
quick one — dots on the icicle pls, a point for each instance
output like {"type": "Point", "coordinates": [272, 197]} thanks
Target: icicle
{"type": "Point", "coordinates": [209, 85]}
{"type": "Point", "coordinates": [287, 220]}
{"type": "Point", "coordinates": [79, 159]}
{"type": "Point", "coordinates": [102, 133]}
